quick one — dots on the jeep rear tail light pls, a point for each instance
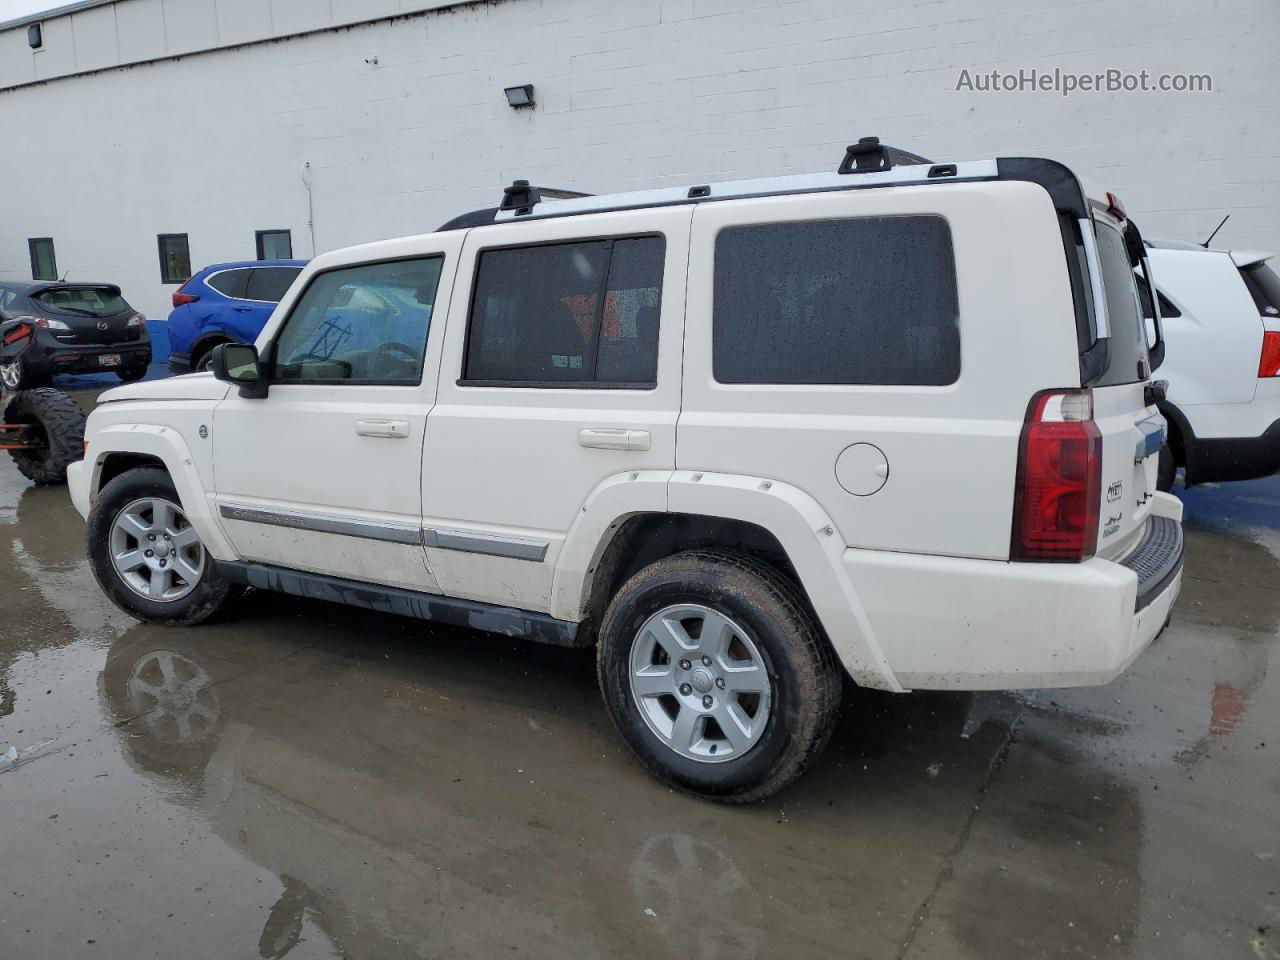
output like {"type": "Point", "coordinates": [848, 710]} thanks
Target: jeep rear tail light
{"type": "Point", "coordinates": [1058, 491]}
{"type": "Point", "coordinates": [179, 298]}
{"type": "Point", "coordinates": [1269, 363]}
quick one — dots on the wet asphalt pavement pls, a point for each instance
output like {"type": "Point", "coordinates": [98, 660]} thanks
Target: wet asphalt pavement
{"type": "Point", "coordinates": [307, 780]}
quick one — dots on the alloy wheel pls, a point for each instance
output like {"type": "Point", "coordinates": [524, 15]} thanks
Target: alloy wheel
{"type": "Point", "coordinates": [700, 682]}
{"type": "Point", "coordinates": [155, 550]}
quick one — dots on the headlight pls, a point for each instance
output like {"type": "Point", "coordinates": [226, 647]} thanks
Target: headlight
{"type": "Point", "coordinates": [137, 320]}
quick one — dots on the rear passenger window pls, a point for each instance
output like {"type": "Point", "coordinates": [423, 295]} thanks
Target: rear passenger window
{"type": "Point", "coordinates": [230, 283]}
{"type": "Point", "coordinates": [582, 313]}
{"type": "Point", "coordinates": [864, 301]}
{"type": "Point", "coordinates": [269, 283]}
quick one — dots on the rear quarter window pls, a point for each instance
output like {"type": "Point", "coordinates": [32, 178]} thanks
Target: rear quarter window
{"type": "Point", "coordinates": [1127, 360]}
{"type": "Point", "coordinates": [1264, 287]}
{"type": "Point", "coordinates": [859, 301]}
{"type": "Point", "coordinates": [230, 283]}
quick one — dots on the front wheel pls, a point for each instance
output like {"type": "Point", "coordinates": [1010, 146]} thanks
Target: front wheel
{"type": "Point", "coordinates": [147, 557]}
{"type": "Point", "coordinates": [717, 676]}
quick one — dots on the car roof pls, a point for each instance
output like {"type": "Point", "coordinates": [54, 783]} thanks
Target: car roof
{"type": "Point", "coordinates": [240, 264]}
{"type": "Point", "coordinates": [39, 286]}
{"type": "Point", "coordinates": [1241, 258]}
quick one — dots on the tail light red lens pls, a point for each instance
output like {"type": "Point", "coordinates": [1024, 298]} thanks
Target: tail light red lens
{"type": "Point", "coordinates": [179, 297]}
{"type": "Point", "coordinates": [1269, 363]}
{"type": "Point", "coordinates": [19, 332]}
{"type": "Point", "coordinates": [1058, 491]}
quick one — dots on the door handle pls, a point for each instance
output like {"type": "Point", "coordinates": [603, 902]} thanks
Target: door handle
{"type": "Point", "coordinates": [390, 429]}
{"type": "Point", "coordinates": [604, 438]}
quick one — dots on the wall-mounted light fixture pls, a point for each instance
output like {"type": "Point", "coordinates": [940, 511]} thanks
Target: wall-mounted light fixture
{"type": "Point", "coordinates": [520, 97]}
{"type": "Point", "coordinates": [35, 36]}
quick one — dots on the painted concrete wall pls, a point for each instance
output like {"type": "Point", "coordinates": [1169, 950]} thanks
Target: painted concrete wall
{"type": "Point", "coordinates": [404, 123]}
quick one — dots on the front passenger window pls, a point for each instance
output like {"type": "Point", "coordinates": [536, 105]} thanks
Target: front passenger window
{"type": "Point", "coordinates": [365, 324]}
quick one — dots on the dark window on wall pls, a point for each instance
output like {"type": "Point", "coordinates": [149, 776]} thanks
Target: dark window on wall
{"type": "Point", "coordinates": [863, 301]}
{"type": "Point", "coordinates": [274, 244]}
{"type": "Point", "coordinates": [567, 314]}
{"type": "Point", "coordinates": [43, 264]}
{"type": "Point", "coordinates": [175, 258]}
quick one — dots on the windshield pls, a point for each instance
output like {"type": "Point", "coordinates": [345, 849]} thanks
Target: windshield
{"type": "Point", "coordinates": [83, 301]}
{"type": "Point", "coordinates": [1264, 285]}
{"type": "Point", "coordinates": [1127, 360]}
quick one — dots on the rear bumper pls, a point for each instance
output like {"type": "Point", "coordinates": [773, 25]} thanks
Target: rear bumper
{"type": "Point", "coordinates": [47, 356]}
{"type": "Point", "coordinates": [1234, 458]}
{"type": "Point", "coordinates": [948, 623]}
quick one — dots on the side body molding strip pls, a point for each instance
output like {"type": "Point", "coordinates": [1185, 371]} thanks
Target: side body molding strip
{"type": "Point", "coordinates": [513, 548]}
{"type": "Point", "coordinates": [370, 530]}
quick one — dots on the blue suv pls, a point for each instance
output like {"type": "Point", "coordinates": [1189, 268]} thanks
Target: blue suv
{"type": "Point", "coordinates": [224, 303]}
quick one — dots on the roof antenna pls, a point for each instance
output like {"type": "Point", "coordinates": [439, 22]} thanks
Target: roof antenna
{"type": "Point", "coordinates": [1215, 232]}
{"type": "Point", "coordinates": [64, 275]}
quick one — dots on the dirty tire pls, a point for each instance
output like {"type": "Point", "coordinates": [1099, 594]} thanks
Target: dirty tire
{"type": "Point", "coordinates": [209, 595]}
{"type": "Point", "coordinates": [60, 427]}
{"type": "Point", "coordinates": [1166, 470]}
{"type": "Point", "coordinates": [132, 374]}
{"type": "Point", "coordinates": [805, 677]}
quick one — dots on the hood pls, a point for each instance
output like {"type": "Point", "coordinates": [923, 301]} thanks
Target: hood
{"type": "Point", "coordinates": [191, 386]}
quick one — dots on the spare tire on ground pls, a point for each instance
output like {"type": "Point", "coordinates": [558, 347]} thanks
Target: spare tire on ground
{"type": "Point", "coordinates": [53, 432]}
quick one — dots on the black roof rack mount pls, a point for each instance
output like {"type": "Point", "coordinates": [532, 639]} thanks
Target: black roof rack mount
{"type": "Point", "coordinates": [869, 155]}
{"type": "Point", "coordinates": [522, 198]}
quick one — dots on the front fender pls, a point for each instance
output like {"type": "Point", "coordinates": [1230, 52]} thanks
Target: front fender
{"type": "Point", "coordinates": [803, 528]}
{"type": "Point", "coordinates": [168, 446]}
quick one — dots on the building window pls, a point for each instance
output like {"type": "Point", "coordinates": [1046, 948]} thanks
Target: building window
{"type": "Point", "coordinates": [43, 264]}
{"type": "Point", "coordinates": [274, 245]}
{"type": "Point", "coordinates": [567, 314]}
{"type": "Point", "coordinates": [175, 258]}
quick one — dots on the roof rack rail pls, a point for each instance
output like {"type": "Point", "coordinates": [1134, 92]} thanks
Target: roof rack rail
{"type": "Point", "coordinates": [521, 197]}
{"type": "Point", "coordinates": [869, 155]}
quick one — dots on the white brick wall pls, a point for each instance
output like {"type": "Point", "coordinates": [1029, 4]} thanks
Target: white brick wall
{"type": "Point", "coordinates": [639, 94]}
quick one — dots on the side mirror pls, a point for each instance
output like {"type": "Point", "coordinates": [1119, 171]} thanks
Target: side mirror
{"type": "Point", "coordinates": [238, 363]}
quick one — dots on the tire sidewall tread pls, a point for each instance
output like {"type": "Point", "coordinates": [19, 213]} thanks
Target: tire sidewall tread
{"type": "Point", "coordinates": [199, 605]}
{"type": "Point", "coordinates": [807, 680]}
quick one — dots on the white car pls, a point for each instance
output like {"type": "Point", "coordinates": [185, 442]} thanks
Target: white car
{"type": "Point", "coordinates": [893, 421]}
{"type": "Point", "coordinates": [1221, 317]}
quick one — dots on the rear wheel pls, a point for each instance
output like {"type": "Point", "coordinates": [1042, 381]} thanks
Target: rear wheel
{"type": "Point", "coordinates": [145, 554]}
{"type": "Point", "coordinates": [133, 373]}
{"type": "Point", "coordinates": [54, 433]}
{"type": "Point", "coordinates": [16, 375]}
{"type": "Point", "coordinates": [717, 676]}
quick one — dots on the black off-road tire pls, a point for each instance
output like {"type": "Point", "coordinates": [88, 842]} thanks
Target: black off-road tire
{"type": "Point", "coordinates": [209, 595]}
{"type": "Point", "coordinates": [805, 676]}
{"type": "Point", "coordinates": [58, 431]}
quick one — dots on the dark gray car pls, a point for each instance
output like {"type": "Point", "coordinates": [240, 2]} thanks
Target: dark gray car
{"type": "Point", "coordinates": [49, 328]}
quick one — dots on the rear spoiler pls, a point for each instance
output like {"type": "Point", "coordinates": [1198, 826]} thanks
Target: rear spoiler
{"type": "Point", "coordinates": [77, 285]}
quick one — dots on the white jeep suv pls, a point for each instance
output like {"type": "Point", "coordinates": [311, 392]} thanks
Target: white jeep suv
{"type": "Point", "coordinates": [893, 421]}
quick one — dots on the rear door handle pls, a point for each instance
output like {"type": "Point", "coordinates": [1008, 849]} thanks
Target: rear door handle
{"type": "Point", "coordinates": [390, 429]}
{"type": "Point", "coordinates": [604, 438]}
